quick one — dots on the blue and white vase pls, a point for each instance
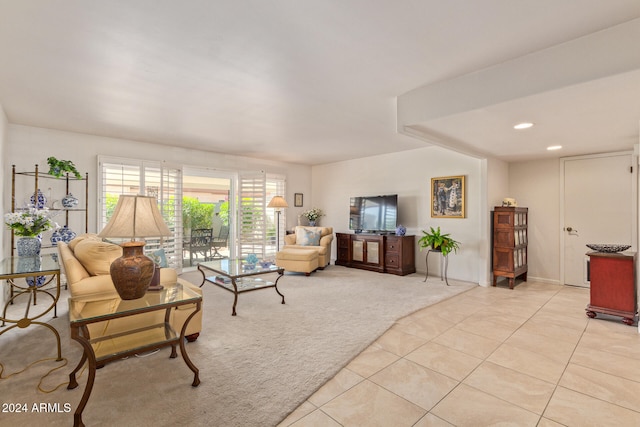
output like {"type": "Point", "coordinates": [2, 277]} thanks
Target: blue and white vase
{"type": "Point", "coordinates": [38, 200]}
{"type": "Point", "coordinates": [29, 251]}
{"type": "Point", "coordinates": [67, 234]}
{"type": "Point", "coordinates": [69, 201]}
{"type": "Point", "coordinates": [29, 246]}
{"type": "Point", "coordinates": [401, 230]}
{"type": "Point", "coordinates": [56, 236]}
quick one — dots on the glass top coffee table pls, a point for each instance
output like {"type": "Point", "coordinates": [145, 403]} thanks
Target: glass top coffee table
{"type": "Point", "coordinates": [237, 276]}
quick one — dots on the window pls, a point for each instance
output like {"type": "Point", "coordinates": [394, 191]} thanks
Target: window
{"type": "Point", "coordinates": [275, 186]}
{"type": "Point", "coordinates": [127, 176]}
{"type": "Point", "coordinates": [255, 226]}
{"type": "Point", "coordinates": [251, 214]}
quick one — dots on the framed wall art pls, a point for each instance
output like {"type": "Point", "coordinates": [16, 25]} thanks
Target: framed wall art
{"type": "Point", "coordinates": [297, 200]}
{"type": "Point", "coordinates": [447, 197]}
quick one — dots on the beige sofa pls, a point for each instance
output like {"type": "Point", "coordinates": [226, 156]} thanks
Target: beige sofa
{"type": "Point", "coordinates": [85, 262]}
{"type": "Point", "coordinates": [297, 240]}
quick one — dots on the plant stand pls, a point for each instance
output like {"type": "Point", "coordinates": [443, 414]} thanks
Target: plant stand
{"type": "Point", "coordinates": [443, 271]}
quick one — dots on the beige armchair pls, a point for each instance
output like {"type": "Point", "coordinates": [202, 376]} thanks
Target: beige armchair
{"type": "Point", "coordinates": [298, 240]}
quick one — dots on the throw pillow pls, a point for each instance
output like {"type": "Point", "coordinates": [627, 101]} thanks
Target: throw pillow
{"type": "Point", "coordinates": [307, 236]}
{"type": "Point", "coordinates": [160, 258]}
{"type": "Point", "coordinates": [72, 244]}
{"type": "Point", "coordinates": [96, 256]}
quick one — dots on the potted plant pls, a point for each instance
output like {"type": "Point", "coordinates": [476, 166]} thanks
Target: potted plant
{"type": "Point", "coordinates": [438, 242]}
{"type": "Point", "coordinates": [58, 168]}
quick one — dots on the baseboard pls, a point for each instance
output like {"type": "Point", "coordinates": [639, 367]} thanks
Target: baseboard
{"type": "Point", "coordinates": [544, 280]}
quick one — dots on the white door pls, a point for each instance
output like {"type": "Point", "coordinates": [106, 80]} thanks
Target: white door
{"type": "Point", "coordinates": [598, 208]}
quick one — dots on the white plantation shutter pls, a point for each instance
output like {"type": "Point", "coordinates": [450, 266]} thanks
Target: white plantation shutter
{"type": "Point", "coordinates": [251, 214]}
{"type": "Point", "coordinates": [275, 186]}
{"type": "Point", "coordinates": [128, 176]}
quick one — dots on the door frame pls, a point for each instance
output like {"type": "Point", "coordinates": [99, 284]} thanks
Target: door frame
{"type": "Point", "coordinates": [221, 174]}
{"type": "Point", "coordinates": [633, 201]}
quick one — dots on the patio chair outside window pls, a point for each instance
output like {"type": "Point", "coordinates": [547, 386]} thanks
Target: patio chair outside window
{"type": "Point", "coordinates": [200, 243]}
{"type": "Point", "coordinates": [220, 242]}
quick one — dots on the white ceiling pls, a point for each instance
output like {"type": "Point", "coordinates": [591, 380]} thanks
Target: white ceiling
{"type": "Point", "coordinates": [305, 81]}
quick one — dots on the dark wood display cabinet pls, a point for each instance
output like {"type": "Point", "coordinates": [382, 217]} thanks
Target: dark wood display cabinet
{"type": "Point", "coordinates": [613, 285]}
{"type": "Point", "coordinates": [510, 225]}
{"type": "Point", "coordinates": [374, 252]}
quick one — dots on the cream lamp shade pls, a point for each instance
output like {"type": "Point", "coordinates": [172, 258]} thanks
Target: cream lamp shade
{"type": "Point", "coordinates": [278, 202]}
{"type": "Point", "coordinates": [136, 216]}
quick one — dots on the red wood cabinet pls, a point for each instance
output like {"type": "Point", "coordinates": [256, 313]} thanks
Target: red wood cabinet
{"type": "Point", "coordinates": [613, 285]}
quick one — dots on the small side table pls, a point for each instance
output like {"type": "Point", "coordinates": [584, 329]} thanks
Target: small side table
{"type": "Point", "coordinates": [443, 271]}
{"type": "Point", "coordinates": [613, 285]}
{"type": "Point", "coordinates": [100, 350]}
{"type": "Point", "coordinates": [16, 267]}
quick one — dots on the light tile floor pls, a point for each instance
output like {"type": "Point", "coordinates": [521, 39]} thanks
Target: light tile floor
{"type": "Point", "coordinates": [491, 356]}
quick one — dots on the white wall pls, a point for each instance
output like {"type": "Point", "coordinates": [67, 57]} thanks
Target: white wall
{"type": "Point", "coordinates": [28, 146]}
{"type": "Point", "coordinates": [536, 185]}
{"type": "Point", "coordinates": [497, 188]}
{"type": "Point", "coordinates": [407, 174]}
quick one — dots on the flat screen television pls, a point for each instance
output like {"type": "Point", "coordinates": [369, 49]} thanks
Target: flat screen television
{"type": "Point", "coordinates": [373, 214]}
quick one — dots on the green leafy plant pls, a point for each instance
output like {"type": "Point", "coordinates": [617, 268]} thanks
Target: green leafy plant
{"type": "Point", "coordinates": [438, 241]}
{"type": "Point", "coordinates": [58, 168]}
{"type": "Point", "coordinates": [196, 214]}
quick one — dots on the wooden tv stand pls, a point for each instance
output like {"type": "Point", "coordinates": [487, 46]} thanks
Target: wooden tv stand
{"type": "Point", "coordinates": [376, 252]}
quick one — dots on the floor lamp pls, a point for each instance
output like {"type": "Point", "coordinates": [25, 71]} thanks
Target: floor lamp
{"type": "Point", "coordinates": [278, 202]}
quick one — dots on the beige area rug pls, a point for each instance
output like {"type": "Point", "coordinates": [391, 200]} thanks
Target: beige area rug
{"type": "Point", "coordinates": [255, 368]}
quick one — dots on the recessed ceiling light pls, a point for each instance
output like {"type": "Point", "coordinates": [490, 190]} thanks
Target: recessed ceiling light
{"type": "Point", "coordinates": [554, 147]}
{"type": "Point", "coordinates": [524, 125]}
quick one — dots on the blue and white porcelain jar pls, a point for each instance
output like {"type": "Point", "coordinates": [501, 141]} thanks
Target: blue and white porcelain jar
{"type": "Point", "coordinates": [56, 236]}
{"type": "Point", "coordinates": [29, 246]}
{"type": "Point", "coordinates": [67, 234]}
{"type": "Point", "coordinates": [69, 201]}
{"type": "Point", "coordinates": [29, 259]}
{"type": "Point", "coordinates": [38, 200]}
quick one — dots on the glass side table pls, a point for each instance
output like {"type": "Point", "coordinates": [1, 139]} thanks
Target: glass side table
{"type": "Point", "coordinates": [16, 267]}
{"type": "Point", "coordinates": [140, 338]}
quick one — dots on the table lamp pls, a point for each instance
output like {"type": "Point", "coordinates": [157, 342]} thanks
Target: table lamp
{"type": "Point", "coordinates": [134, 216]}
{"type": "Point", "coordinates": [278, 202]}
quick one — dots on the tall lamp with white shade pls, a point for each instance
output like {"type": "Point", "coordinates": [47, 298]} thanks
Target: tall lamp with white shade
{"type": "Point", "coordinates": [278, 202]}
{"type": "Point", "coordinates": [135, 216]}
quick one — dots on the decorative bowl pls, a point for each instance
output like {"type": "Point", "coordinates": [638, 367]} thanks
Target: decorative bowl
{"type": "Point", "coordinates": [265, 264]}
{"type": "Point", "coordinates": [608, 248]}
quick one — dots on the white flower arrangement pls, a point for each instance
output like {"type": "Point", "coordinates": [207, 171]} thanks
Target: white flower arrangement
{"type": "Point", "coordinates": [312, 214]}
{"type": "Point", "coordinates": [29, 222]}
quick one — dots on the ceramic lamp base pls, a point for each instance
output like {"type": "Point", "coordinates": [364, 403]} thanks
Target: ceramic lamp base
{"type": "Point", "coordinates": [132, 272]}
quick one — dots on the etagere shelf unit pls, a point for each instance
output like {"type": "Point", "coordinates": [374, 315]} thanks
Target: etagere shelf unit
{"type": "Point", "coordinates": [66, 184]}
